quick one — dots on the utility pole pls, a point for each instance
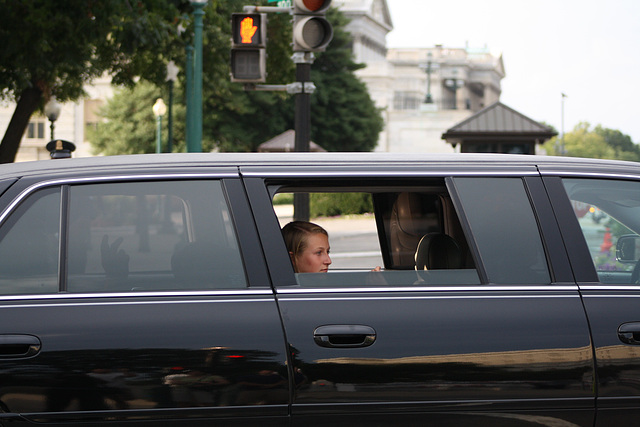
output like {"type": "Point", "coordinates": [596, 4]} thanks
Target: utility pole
{"type": "Point", "coordinates": [303, 61]}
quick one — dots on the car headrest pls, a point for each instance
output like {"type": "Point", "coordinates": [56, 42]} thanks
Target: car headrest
{"type": "Point", "coordinates": [438, 251]}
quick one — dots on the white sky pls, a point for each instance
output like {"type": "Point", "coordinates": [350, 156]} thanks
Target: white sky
{"type": "Point", "coordinates": [588, 49]}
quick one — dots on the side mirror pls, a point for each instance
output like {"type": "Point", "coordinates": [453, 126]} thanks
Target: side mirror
{"type": "Point", "coordinates": [628, 248]}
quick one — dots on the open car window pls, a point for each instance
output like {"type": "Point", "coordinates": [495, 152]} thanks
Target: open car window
{"type": "Point", "coordinates": [412, 235]}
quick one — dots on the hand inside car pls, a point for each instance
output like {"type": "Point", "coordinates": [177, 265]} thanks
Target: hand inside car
{"type": "Point", "coordinates": [114, 261]}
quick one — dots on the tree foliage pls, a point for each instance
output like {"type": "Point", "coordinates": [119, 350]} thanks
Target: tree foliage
{"type": "Point", "coordinates": [599, 142]}
{"type": "Point", "coordinates": [52, 48]}
{"type": "Point", "coordinates": [130, 126]}
{"type": "Point", "coordinates": [344, 117]}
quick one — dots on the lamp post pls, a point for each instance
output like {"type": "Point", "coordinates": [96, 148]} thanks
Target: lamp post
{"type": "Point", "coordinates": [159, 110]}
{"type": "Point", "coordinates": [172, 75]}
{"type": "Point", "coordinates": [454, 84]}
{"type": "Point", "coordinates": [194, 139]}
{"type": "Point", "coordinates": [428, 99]}
{"type": "Point", "coordinates": [52, 111]}
{"type": "Point", "coordinates": [562, 152]}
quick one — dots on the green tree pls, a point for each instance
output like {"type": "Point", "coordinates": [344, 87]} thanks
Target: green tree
{"type": "Point", "coordinates": [52, 48]}
{"type": "Point", "coordinates": [622, 144]}
{"type": "Point", "coordinates": [130, 125]}
{"type": "Point", "coordinates": [344, 116]}
{"type": "Point", "coordinates": [582, 142]}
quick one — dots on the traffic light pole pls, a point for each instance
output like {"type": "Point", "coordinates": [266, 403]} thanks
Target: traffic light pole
{"type": "Point", "coordinates": [303, 62]}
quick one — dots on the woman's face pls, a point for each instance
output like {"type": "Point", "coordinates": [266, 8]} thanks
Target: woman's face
{"type": "Point", "coordinates": [315, 258]}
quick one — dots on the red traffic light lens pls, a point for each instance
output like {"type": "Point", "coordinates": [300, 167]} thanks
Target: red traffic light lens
{"type": "Point", "coordinates": [313, 5]}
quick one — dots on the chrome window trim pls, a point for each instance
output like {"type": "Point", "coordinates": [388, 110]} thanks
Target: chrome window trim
{"type": "Point", "coordinates": [150, 294]}
{"type": "Point", "coordinates": [430, 289]}
{"type": "Point", "coordinates": [426, 297]}
{"type": "Point", "coordinates": [609, 288]}
{"type": "Point", "coordinates": [115, 178]}
{"type": "Point", "coordinates": [105, 303]}
{"type": "Point", "coordinates": [580, 174]}
{"type": "Point", "coordinates": [387, 174]}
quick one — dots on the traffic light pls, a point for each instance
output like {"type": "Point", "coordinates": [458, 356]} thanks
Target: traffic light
{"type": "Point", "coordinates": [311, 31]}
{"type": "Point", "coordinates": [248, 47]}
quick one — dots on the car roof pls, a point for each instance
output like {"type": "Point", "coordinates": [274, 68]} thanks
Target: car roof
{"type": "Point", "coordinates": [339, 160]}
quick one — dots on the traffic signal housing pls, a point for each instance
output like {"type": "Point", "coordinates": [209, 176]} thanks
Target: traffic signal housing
{"type": "Point", "coordinates": [311, 30]}
{"type": "Point", "coordinates": [248, 47]}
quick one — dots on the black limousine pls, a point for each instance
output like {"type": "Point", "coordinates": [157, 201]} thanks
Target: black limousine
{"type": "Point", "coordinates": [159, 290]}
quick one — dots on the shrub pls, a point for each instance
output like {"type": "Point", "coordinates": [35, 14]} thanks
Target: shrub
{"type": "Point", "coordinates": [332, 204]}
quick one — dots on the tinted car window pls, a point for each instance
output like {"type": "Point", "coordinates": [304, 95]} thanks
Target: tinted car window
{"type": "Point", "coordinates": [29, 246]}
{"type": "Point", "coordinates": [505, 229]}
{"type": "Point", "coordinates": [608, 212]}
{"type": "Point", "coordinates": [151, 236]}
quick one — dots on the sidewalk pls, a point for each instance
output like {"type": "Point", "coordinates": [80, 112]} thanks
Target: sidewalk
{"type": "Point", "coordinates": [335, 226]}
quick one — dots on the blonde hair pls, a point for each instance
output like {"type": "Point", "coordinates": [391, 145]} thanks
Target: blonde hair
{"type": "Point", "coordinates": [296, 235]}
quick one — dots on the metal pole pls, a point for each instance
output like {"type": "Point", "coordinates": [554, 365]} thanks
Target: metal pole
{"type": "Point", "coordinates": [428, 99]}
{"type": "Point", "coordinates": [189, 95]}
{"type": "Point", "coordinates": [198, 13]}
{"type": "Point", "coordinates": [170, 119]}
{"type": "Point", "coordinates": [302, 128]}
{"type": "Point", "coordinates": [562, 152]}
{"type": "Point", "coordinates": [159, 134]}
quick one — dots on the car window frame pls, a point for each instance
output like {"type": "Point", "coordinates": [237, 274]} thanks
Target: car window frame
{"type": "Point", "coordinates": [261, 190]}
{"type": "Point", "coordinates": [249, 246]}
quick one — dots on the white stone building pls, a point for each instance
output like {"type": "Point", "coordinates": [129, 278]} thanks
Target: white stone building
{"type": "Point", "coordinates": [457, 81]}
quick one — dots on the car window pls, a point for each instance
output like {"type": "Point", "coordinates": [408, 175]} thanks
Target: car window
{"type": "Point", "coordinates": [412, 235]}
{"type": "Point", "coordinates": [151, 236]}
{"type": "Point", "coordinates": [29, 246]}
{"type": "Point", "coordinates": [608, 212]}
{"type": "Point", "coordinates": [505, 229]}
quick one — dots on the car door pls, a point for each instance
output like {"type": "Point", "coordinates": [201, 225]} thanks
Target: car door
{"type": "Point", "coordinates": [501, 341]}
{"type": "Point", "coordinates": [599, 213]}
{"type": "Point", "coordinates": [137, 300]}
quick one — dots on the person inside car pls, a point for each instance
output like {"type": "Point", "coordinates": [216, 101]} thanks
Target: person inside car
{"type": "Point", "coordinates": [308, 246]}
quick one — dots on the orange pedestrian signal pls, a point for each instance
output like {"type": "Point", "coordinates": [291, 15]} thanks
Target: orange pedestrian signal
{"type": "Point", "coordinates": [248, 47]}
{"type": "Point", "coordinates": [247, 30]}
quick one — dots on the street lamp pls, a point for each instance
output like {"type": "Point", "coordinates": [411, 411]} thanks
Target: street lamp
{"type": "Point", "coordinates": [562, 150]}
{"type": "Point", "coordinates": [52, 111]}
{"type": "Point", "coordinates": [172, 75]}
{"type": "Point", "coordinates": [159, 110]}
{"type": "Point", "coordinates": [454, 84]}
{"type": "Point", "coordinates": [428, 99]}
{"type": "Point", "coordinates": [194, 134]}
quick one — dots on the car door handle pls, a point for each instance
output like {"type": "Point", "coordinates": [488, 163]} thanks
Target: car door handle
{"type": "Point", "coordinates": [344, 336]}
{"type": "Point", "coordinates": [17, 346]}
{"type": "Point", "coordinates": [629, 333]}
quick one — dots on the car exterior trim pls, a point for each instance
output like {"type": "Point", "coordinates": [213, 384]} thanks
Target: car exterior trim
{"type": "Point", "coordinates": [112, 303]}
{"type": "Point", "coordinates": [384, 174]}
{"type": "Point", "coordinates": [67, 296]}
{"type": "Point", "coordinates": [581, 174]}
{"type": "Point", "coordinates": [433, 289]}
{"type": "Point", "coordinates": [609, 288]}
{"type": "Point", "coordinates": [65, 181]}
